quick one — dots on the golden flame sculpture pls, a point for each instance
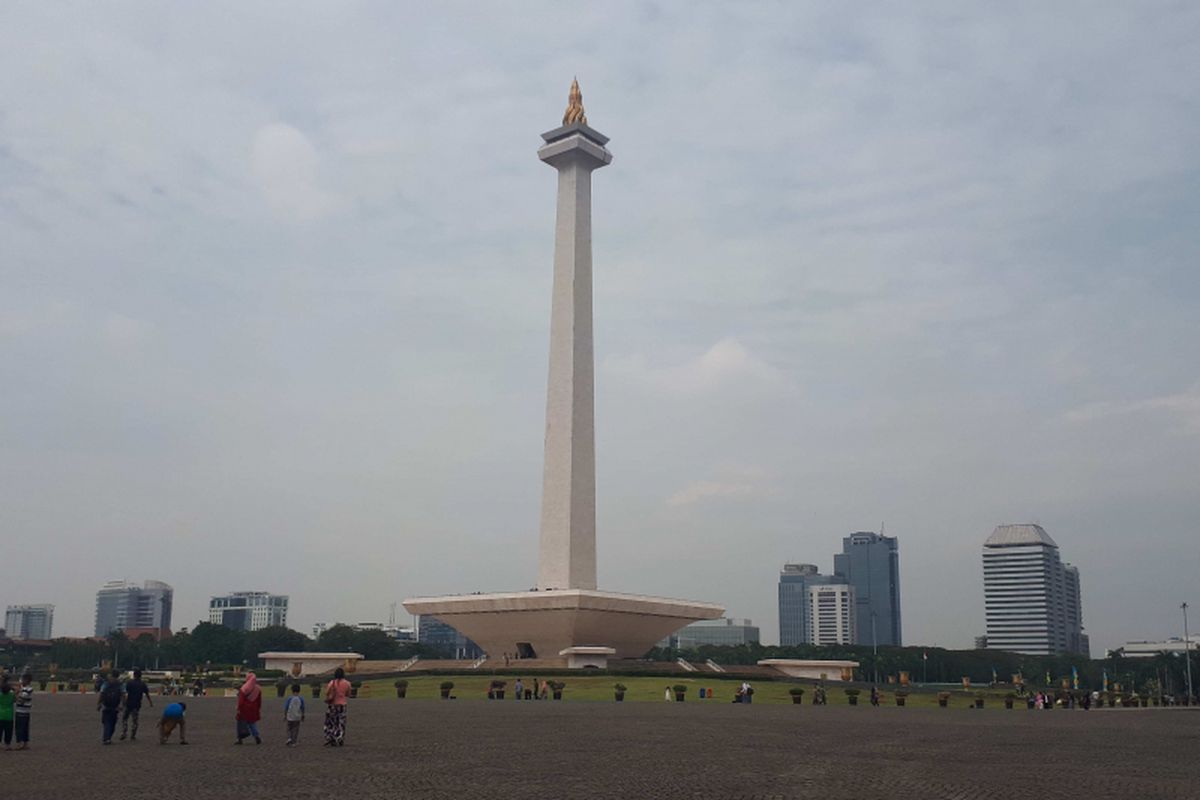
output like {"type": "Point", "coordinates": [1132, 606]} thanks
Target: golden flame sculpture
{"type": "Point", "coordinates": [574, 113]}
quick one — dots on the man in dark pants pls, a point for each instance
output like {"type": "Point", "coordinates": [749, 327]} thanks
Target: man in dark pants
{"type": "Point", "coordinates": [135, 690]}
{"type": "Point", "coordinates": [109, 705]}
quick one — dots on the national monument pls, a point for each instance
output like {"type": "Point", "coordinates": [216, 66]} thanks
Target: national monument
{"type": "Point", "coordinates": [567, 617]}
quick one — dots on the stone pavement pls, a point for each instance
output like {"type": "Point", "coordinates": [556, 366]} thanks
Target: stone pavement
{"type": "Point", "coordinates": [452, 749]}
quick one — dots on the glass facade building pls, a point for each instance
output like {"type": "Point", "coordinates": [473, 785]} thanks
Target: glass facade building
{"type": "Point", "coordinates": [870, 562]}
{"type": "Point", "coordinates": [121, 605]}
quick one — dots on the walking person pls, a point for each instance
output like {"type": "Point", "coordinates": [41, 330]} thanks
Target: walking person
{"type": "Point", "coordinates": [8, 699]}
{"type": "Point", "coordinates": [135, 691]}
{"type": "Point", "coordinates": [337, 692]}
{"type": "Point", "coordinates": [108, 703]}
{"type": "Point", "coordinates": [249, 709]}
{"type": "Point", "coordinates": [519, 690]}
{"type": "Point", "coordinates": [667, 695]}
{"type": "Point", "coordinates": [22, 710]}
{"type": "Point", "coordinates": [293, 715]}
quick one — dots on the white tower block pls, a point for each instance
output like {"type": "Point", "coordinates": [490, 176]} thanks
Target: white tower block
{"type": "Point", "coordinates": [568, 531]}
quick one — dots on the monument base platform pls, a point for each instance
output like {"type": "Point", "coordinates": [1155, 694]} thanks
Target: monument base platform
{"type": "Point", "coordinates": [543, 624]}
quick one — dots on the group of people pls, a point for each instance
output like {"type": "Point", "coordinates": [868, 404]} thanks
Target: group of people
{"type": "Point", "coordinates": [16, 705]}
{"type": "Point", "coordinates": [521, 692]}
{"type": "Point", "coordinates": [121, 702]}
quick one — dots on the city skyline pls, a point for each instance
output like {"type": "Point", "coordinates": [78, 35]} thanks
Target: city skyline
{"type": "Point", "coordinates": [265, 294]}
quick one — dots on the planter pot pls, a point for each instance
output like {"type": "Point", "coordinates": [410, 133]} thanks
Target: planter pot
{"type": "Point", "coordinates": [445, 694]}
{"type": "Point", "coordinates": [1008, 704]}
{"type": "Point", "coordinates": [499, 694]}
{"type": "Point", "coordinates": [60, 687]}
{"type": "Point", "coordinates": [943, 702]}
{"type": "Point", "coordinates": [679, 697]}
{"type": "Point", "coordinates": [316, 692]}
{"type": "Point", "coordinates": [797, 699]}
{"type": "Point", "coordinates": [978, 703]}
{"type": "Point", "coordinates": [558, 695]}
{"type": "Point", "coordinates": [619, 696]}
{"type": "Point", "coordinates": [42, 685]}
{"type": "Point", "coordinates": [402, 693]}
{"type": "Point", "coordinates": [853, 699]}
{"type": "Point", "coordinates": [1099, 702]}
{"type": "Point", "coordinates": [354, 691]}
{"type": "Point", "coordinates": [900, 701]}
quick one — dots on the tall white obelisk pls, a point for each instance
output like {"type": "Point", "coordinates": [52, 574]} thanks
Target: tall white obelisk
{"type": "Point", "coordinates": [568, 534]}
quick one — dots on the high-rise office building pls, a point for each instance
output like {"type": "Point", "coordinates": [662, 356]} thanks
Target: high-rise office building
{"type": "Point", "coordinates": [248, 611]}
{"type": "Point", "coordinates": [125, 606]}
{"type": "Point", "coordinates": [831, 611]}
{"type": "Point", "coordinates": [1031, 597]}
{"type": "Point", "coordinates": [29, 622]}
{"type": "Point", "coordinates": [870, 562]}
{"type": "Point", "coordinates": [795, 610]}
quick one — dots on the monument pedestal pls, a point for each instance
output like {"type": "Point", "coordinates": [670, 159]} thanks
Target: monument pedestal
{"type": "Point", "coordinates": [543, 624]}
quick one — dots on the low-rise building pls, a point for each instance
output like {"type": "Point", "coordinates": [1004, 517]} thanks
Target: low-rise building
{"type": "Point", "coordinates": [720, 632]}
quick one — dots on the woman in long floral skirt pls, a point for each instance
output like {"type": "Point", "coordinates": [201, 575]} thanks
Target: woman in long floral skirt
{"type": "Point", "coordinates": [336, 695]}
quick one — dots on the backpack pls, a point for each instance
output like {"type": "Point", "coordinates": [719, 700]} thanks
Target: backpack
{"type": "Point", "coordinates": [110, 695]}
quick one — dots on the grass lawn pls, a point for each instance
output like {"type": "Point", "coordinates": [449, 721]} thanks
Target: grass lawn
{"type": "Point", "coordinates": [599, 688]}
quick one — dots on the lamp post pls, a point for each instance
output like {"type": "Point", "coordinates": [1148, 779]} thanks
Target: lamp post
{"type": "Point", "coordinates": [875, 649]}
{"type": "Point", "coordinates": [1187, 652]}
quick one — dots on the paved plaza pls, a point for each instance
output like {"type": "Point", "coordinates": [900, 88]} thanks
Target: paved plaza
{"type": "Point", "coordinates": [453, 749]}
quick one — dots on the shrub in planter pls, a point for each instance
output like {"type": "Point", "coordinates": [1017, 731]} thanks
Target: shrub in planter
{"type": "Point", "coordinates": [680, 690]}
{"type": "Point", "coordinates": [619, 692]}
{"type": "Point", "coordinates": [944, 699]}
{"type": "Point", "coordinates": [445, 688]}
{"type": "Point", "coordinates": [979, 699]}
{"type": "Point", "coordinates": [852, 695]}
{"type": "Point", "coordinates": [1008, 700]}
{"type": "Point", "coordinates": [42, 685]}
{"type": "Point", "coordinates": [797, 695]}
{"type": "Point", "coordinates": [901, 697]}
{"type": "Point", "coordinates": [354, 687]}
{"type": "Point", "coordinates": [401, 689]}
{"type": "Point", "coordinates": [556, 688]}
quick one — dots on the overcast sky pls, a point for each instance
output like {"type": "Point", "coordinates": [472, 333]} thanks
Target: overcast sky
{"type": "Point", "coordinates": [275, 294]}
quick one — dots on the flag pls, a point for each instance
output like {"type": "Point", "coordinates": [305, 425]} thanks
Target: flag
{"type": "Point", "coordinates": [1075, 678]}
{"type": "Point", "coordinates": [924, 656]}
{"type": "Point", "coordinates": [994, 678]}
{"type": "Point", "coordinates": [1049, 680]}
{"type": "Point", "coordinates": [1106, 680]}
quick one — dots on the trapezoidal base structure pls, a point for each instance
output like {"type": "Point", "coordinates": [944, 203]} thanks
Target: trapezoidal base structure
{"type": "Point", "coordinates": [542, 624]}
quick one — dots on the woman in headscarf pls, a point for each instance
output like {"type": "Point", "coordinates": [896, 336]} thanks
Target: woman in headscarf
{"type": "Point", "coordinates": [249, 709]}
{"type": "Point", "coordinates": [336, 694]}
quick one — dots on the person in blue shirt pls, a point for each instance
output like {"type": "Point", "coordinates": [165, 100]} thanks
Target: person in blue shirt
{"type": "Point", "coordinates": [172, 716]}
{"type": "Point", "coordinates": [293, 714]}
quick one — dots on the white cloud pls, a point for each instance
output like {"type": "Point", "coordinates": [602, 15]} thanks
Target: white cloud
{"type": "Point", "coordinates": [287, 169]}
{"type": "Point", "coordinates": [727, 365]}
{"type": "Point", "coordinates": [1182, 407]}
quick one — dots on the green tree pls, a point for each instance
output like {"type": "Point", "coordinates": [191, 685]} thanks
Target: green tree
{"type": "Point", "coordinates": [273, 638]}
{"type": "Point", "coordinates": [217, 644]}
{"type": "Point", "coordinates": [336, 639]}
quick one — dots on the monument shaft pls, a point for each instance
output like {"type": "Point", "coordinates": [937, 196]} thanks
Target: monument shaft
{"type": "Point", "coordinates": [568, 525]}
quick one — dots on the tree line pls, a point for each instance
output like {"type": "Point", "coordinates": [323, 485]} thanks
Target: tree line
{"type": "Point", "coordinates": [209, 644]}
{"type": "Point", "coordinates": [1164, 672]}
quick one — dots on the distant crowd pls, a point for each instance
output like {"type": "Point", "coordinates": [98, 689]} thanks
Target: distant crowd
{"type": "Point", "coordinates": [120, 702]}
